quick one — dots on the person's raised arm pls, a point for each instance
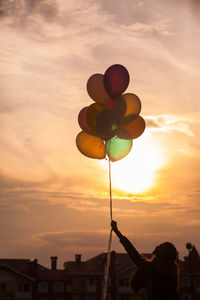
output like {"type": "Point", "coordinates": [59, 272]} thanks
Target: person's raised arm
{"type": "Point", "coordinates": [130, 249]}
{"type": "Point", "coordinates": [115, 229]}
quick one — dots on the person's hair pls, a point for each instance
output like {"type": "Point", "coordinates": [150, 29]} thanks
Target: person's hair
{"type": "Point", "coordinates": [172, 256]}
{"type": "Point", "coordinates": [172, 253]}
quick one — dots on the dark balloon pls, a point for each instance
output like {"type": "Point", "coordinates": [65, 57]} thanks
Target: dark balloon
{"type": "Point", "coordinates": [116, 80]}
{"type": "Point", "coordinates": [107, 123]}
{"type": "Point", "coordinates": [82, 119]}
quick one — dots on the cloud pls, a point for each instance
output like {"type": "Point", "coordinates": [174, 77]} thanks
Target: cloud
{"type": "Point", "coordinates": [48, 20]}
{"type": "Point", "coordinates": [24, 8]}
{"type": "Point", "coordinates": [68, 239]}
{"type": "Point", "coordinates": [138, 218]}
{"type": "Point", "coordinates": [159, 26]}
{"type": "Point", "coordinates": [144, 239]}
{"type": "Point", "coordinates": [25, 196]}
{"type": "Point", "coordinates": [169, 123]}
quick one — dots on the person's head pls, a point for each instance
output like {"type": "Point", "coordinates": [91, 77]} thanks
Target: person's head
{"type": "Point", "coordinates": [166, 252]}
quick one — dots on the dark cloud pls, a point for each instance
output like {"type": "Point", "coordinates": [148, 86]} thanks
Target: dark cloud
{"type": "Point", "coordinates": [145, 237]}
{"type": "Point", "coordinates": [74, 238]}
{"type": "Point", "coordinates": [21, 9]}
{"type": "Point", "coordinates": [22, 194]}
{"type": "Point", "coordinates": [32, 19]}
{"type": "Point", "coordinates": [11, 184]}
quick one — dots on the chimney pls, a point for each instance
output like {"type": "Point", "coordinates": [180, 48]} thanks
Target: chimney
{"type": "Point", "coordinates": [78, 259]}
{"type": "Point", "coordinates": [53, 263]}
{"type": "Point", "coordinates": [34, 266]}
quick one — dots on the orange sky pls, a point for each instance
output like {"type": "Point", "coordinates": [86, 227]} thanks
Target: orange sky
{"type": "Point", "coordinates": [54, 201]}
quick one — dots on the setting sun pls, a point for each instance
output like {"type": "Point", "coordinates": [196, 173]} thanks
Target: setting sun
{"type": "Point", "coordinates": [136, 172]}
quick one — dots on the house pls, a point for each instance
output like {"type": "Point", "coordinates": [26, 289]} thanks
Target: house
{"type": "Point", "coordinates": [190, 275]}
{"type": "Point", "coordinates": [79, 280]}
{"type": "Point", "coordinates": [16, 280]}
{"type": "Point", "coordinates": [25, 279]}
{"type": "Point", "coordinates": [87, 277]}
{"type": "Point", "coordinates": [83, 280]}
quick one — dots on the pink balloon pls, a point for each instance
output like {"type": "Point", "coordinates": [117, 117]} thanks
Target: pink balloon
{"type": "Point", "coordinates": [82, 119]}
{"type": "Point", "coordinates": [116, 80]}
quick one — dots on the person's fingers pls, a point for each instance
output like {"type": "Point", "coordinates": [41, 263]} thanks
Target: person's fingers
{"type": "Point", "coordinates": [114, 224]}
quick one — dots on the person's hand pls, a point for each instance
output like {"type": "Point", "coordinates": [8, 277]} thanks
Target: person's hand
{"type": "Point", "coordinates": [114, 225]}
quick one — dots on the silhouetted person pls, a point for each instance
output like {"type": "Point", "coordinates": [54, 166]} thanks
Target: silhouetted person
{"type": "Point", "coordinates": [158, 276]}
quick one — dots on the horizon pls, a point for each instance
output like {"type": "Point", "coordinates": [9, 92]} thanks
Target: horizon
{"type": "Point", "coordinates": [60, 265]}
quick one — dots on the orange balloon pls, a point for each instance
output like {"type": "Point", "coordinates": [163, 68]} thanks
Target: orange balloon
{"type": "Point", "coordinates": [135, 127]}
{"type": "Point", "coordinates": [123, 134]}
{"type": "Point", "coordinates": [90, 145]}
{"type": "Point", "coordinates": [96, 90]}
{"type": "Point", "coordinates": [133, 104]}
{"type": "Point", "coordinates": [92, 112]}
{"type": "Point", "coordinates": [128, 119]}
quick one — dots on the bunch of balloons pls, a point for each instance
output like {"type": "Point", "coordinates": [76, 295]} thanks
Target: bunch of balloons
{"type": "Point", "coordinates": [111, 123]}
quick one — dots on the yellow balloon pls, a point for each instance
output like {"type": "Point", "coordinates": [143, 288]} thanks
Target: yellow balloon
{"type": "Point", "coordinates": [135, 128]}
{"type": "Point", "coordinates": [90, 145]}
{"type": "Point", "coordinates": [92, 112]}
{"type": "Point", "coordinates": [133, 104]}
{"type": "Point", "coordinates": [96, 90]}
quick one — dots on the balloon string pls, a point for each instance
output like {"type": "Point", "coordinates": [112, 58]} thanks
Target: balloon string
{"type": "Point", "coordinates": [107, 265]}
{"type": "Point", "coordinates": [110, 186]}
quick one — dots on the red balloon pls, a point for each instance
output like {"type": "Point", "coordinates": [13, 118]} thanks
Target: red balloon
{"type": "Point", "coordinates": [116, 80]}
{"type": "Point", "coordinates": [111, 103]}
{"type": "Point", "coordinates": [82, 119]}
{"type": "Point", "coordinates": [118, 105]}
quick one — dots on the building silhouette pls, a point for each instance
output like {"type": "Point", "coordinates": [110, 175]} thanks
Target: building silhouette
{"type": "Point", "coordinates": [83, 280]}
{"type": "Point", "coordinates": [190, 275]}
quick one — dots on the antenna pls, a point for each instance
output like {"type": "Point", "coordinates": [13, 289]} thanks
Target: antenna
{"type": "Point", "coordinates": [189, 246]}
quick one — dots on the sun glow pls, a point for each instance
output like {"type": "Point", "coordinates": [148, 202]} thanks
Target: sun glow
{"type": "Point", "coordinates": [136, 172]}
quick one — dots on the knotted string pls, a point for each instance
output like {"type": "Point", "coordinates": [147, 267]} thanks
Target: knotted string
{"type": "Point", "coordinates": [107, 265]}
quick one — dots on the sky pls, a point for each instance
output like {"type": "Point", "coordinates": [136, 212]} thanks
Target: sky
{"type": "Point", "coordinates": [54, 200]}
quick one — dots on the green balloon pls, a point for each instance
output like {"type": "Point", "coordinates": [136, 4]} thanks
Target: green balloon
{"type": "Point", "coordinates": [117, 148]}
